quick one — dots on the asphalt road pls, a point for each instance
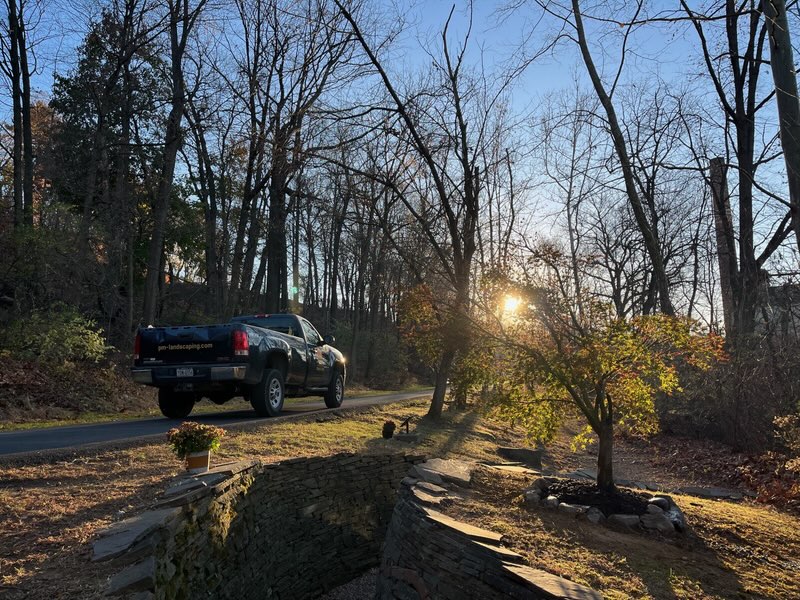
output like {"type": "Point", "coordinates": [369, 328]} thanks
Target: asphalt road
{"type": "Point", "coordinates": [76, 436]}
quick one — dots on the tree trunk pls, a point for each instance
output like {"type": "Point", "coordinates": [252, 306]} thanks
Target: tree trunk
{"type": "Point", "coordinates": [161, 212]}
{"type": "Point", "coordinates": [124, 248]}
{"type": "Point", "coordinates": [442, 374]}
{"type": "Point", "coordinates": [208, 195]}
{"type": "Point", "coordinates": [605, 454]}
{"type": "Point", "coordinates": [785, 78]}
{"type": "Point", "coordinates": [295, 303]}
{"type": "Point", "coordinates": [726, 248]}
{"type": "Point", "coordinates": [257, 209]}
{"type": "Point", "coordinates": [172, 142]}
{"type": "Point", "coordinates": [27, 136]}
{"type": "Point", "coordinates": [16, 97]}
{"type": "Point", "coordinates": [276, 237]}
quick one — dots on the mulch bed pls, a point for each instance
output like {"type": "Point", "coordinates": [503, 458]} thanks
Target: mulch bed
{"type": "Point", "coordinates": [622, 501]}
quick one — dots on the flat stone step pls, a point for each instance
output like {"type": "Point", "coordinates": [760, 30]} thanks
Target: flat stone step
{"type": "Point", "coordinates": [420, 472]}
{"type": "Point", "coordinates": [553, 586]}
{"type": "Point", "coordinates": [457, 471]}
{"type": "Point", "coordinates": [116, 540]}
{"type": "Point", "coordinates": [476, 533]}
{"type": "Point", "coordinates": [432, 488]}
{"type": "Point", "coordinates": [502, 553]}
{"type": "Point", "coordinates": [421, 495]}
{"type": "Point", "coordinates": [515, 469]}
{"type": "Point", "coordinates": [529, 456]}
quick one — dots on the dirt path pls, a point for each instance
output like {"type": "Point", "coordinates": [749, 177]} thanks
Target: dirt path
{"type": "Point", "coordinates": [667, 461]}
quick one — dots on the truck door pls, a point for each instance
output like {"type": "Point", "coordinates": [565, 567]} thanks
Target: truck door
{"type": "Point", "coordinates": [318, 369]}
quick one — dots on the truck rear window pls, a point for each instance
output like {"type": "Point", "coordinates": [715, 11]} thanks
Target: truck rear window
{"type": "Point", "coordinates": [280, 323]}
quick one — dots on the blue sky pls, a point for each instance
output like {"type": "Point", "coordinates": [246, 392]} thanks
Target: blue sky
{"type": "Point", "coordinates": [496, 37]}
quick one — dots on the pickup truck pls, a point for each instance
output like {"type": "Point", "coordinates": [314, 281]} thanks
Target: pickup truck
{"type": "Point", "coordinates": [260, 357]}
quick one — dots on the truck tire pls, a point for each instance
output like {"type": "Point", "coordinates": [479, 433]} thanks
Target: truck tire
{"type": "Point", "coordinates": [175, 405]}
{"type": "Point", "coordinates": [335, 393]}
{"type": "Point", "coordinates": [267, 396]}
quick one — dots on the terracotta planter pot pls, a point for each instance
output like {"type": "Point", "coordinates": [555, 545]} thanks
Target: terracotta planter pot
{"type": "Point", "coordinates": [198, 462]}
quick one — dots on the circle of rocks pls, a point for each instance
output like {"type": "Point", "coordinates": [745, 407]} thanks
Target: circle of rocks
{"type": "Point", "coordinates": [662, 515]}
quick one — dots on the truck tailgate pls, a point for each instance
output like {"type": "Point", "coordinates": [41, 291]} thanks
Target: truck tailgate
{"type": "Point", "coordinates": [185, 345]}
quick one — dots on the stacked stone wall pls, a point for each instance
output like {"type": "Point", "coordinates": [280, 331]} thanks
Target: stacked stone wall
{"type": "Point", "coordinates": [288, 530]}
{"type": "Point", "coordinates": [429, 556]}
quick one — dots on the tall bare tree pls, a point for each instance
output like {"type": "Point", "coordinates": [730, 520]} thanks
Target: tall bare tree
{"type": "Point", "coordinates": [448, 133]}
{"type": "Point", "coordinates": [648, 228]}
{"type": "Point", "coordinates": [13, 70]}
{"type": "Point", "coordinates": [735, 78]}
{"type": "Point", "coordinates": [182, 20]}
{"type": "Point", "coordinates": [784, 75]}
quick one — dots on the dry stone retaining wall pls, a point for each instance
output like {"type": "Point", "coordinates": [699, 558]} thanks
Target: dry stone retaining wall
{"type": "Point", "coordinates": [288, 530]}
{"type": "Point", "coordinates": [429, 556]}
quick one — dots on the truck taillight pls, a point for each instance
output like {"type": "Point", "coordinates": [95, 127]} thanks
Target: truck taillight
{"type": "Point", "coordinates": [137, 346]}
{"type": "Point", "coordinates": [241, 345]}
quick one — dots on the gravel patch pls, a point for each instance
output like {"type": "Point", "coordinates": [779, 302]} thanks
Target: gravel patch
{"type": "Point", "coordinates": [361, 588]}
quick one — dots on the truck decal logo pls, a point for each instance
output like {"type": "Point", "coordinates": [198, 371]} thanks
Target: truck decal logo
{"type": "Point", "coordinates": [185, 347]}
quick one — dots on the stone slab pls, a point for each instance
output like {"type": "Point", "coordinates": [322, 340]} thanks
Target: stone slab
{"type": "Point", "coordinates": [659, 522]}
{"type": "Point", "coordinates": [528, 456]}
{"type": "Point", "coordinates": [432, 488]}
{"type": "Point", "coordinates": [502, 553]}
{"type": "Point", "coordinates": [116, 540]}
{"type": "Point", "coordinates": [472, 532]}
{"type": "Point", "coordinates": [514, 469]}
{"type": "Point", "coordinates": [420, 472]}
{"type": "Point", "coordinates": [624, 520]}
{"type": "Point", "coordinates": [457, 471]}
{"type": "Point", "coordinates": [572, 509]}
{"type": "Point", "coordinates": [183, 485]}
{"type": "Point", "coordinates": [139, 577]}
{"type": "Point", "coordinates": [230, 468]}
{"type": "Point", "coordinates": [553, 586]}
{"type": "Point", "coordinates": [421, 495]}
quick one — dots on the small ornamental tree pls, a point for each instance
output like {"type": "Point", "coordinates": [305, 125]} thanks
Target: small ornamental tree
{"type": "Point", "coordinates": [562, 357]}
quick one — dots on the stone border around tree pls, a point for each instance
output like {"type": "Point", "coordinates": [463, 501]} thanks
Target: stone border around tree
{"type": "Point", "coordinates": [663, 515]}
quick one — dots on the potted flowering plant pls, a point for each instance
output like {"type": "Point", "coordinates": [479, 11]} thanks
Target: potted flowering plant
{"type": "Point", "coordinates": [194, 443]}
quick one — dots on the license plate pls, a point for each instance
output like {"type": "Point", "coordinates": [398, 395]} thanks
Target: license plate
{"type": "Point", "coordinates": [184, 372]}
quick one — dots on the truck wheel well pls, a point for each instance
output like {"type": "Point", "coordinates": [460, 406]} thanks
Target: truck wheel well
{"type": "Point", "coordinates": [276, 360]}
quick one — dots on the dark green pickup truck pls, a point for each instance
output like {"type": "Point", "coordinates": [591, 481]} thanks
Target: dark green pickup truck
{"type": "Point", "coordinates": [260, 357]}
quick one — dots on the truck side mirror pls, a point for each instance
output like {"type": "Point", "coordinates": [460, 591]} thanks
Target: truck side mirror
{"type": "Point", "coordinates": [329, 339]}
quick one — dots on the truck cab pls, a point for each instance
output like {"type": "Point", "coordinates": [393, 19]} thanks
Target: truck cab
{"type": "Point", "coordinates": [261, 357]}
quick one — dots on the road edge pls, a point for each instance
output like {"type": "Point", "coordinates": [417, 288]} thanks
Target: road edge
{"type": "Point", "coordinates": [74, 453]}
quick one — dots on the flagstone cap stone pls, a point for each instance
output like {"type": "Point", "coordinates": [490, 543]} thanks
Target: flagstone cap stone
{"type": "Point", "coordinates": [455, 471]}
{"type": "Point", "coordinates": [531, 457]}
{"type": "Point", "coordinates": [117, 539]}
{"type": "Point", "coordinates": [557, 587]}
{"type": "Point", "coordinates": [472, 532]}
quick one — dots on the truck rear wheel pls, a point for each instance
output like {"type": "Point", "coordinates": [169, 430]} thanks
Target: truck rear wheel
{"type": "Point", "coordinates": [267, 396]}
{"type": "Point", "coordinates": [335, 393]}
{"type": "Point", "coordinates": [175, 405]}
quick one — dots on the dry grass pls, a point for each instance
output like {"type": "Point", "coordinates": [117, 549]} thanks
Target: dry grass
{"type": "Point", "coordinates": [734, 551]}
{"type": "Point", "coordinates": [51, 512]}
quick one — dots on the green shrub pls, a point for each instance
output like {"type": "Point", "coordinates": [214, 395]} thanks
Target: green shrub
{"type": "Point", "coordinates": [58, 335]}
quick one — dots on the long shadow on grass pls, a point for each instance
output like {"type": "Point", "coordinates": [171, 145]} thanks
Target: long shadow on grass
{"type": "Point", "coordinates": [437, 437]}
{"type": "Point", "coordinates": [668, 569]}
{"type": "Point", "coordinates": [65, 555]}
